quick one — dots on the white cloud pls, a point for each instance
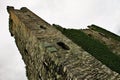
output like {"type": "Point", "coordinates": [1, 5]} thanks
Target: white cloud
{"type": "Point", "coordinates": [11, 64]}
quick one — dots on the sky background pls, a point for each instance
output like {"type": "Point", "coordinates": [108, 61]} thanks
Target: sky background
{"type": "Point", "coordinates": [67, 13]}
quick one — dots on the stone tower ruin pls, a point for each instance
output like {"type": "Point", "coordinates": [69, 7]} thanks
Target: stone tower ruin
{"type": "Point", "coordinates": [49, 55]}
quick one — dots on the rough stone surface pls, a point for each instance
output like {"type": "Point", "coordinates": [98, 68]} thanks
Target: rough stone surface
{"type": "Point", "coordinates": [112, 44]}
{"type": "Point", "coordinates": [49, 55]}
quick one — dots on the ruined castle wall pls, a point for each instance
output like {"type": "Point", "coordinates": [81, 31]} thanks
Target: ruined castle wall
{"type": "Point", "coordinates": [112, 44]}
{"type": "Point", "coordinates": [49, 55]}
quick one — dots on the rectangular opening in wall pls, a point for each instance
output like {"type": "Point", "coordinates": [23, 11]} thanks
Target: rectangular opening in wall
{"type": "Point", "coordinates": [63, 45]}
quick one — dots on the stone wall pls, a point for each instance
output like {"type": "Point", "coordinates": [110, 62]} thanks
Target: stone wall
{"type": "Point", "coordinates": [112, 44]}
{"type": "Point", "coordinates": [49, 55]}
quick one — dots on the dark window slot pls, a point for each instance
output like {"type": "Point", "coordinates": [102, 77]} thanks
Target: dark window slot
{"type": "Point", "coordinates": [42, 27]}
{"type": "Point", "coordinates": [39, 77]}
{"type": "Point", "coordinates": [63, 46]}
{"type": "Point", "coordinates": [26, 52]}
{"type": "Point", "coordinates": [29, 16]}
{"type": "Point", "coordinates": [89, 35]}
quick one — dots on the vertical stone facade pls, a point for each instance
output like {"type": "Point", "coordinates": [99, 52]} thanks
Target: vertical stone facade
{"type": "Point", "coordinates": [49, 55]}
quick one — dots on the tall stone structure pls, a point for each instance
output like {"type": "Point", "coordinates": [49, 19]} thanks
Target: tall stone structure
{"type": "Point", "coordinates": [49, 55]}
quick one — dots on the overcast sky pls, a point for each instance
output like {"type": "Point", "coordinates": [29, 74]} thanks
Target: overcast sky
{"type": "Point", "coordinates": [67, 13]}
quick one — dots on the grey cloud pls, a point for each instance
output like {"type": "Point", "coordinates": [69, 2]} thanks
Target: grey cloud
{"type": "Point", "coordinates": [11, 64]}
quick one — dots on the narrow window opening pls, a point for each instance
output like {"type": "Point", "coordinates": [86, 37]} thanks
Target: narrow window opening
{"type": "Point", "coordinates": [89, 35]}
{"type": "Point", "coordinates": [42, 27]}
{"type": "Point", "coordinates": [46, 66]}
{"type": "Point", "coordinates": [102, 34]}
{"type": "Point", "coordinates": [63, 46]}
{"type": "Point", "coordinates": [29, 15]}
{"type": "Point", "coordinates": [39, 77]}
{"type": "Point", "coordinates": [26, 52]}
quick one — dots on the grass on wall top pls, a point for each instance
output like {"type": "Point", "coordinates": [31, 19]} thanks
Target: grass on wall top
{"type": "Point", "coordinates": [104, 31]}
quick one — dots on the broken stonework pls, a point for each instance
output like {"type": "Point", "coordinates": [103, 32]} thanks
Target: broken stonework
{"type": "Point", "coordinates": [45, 59]}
